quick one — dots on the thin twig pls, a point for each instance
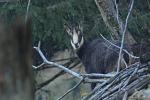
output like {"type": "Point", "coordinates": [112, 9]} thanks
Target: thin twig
{"type": "Point", "coordinates": [119, 47]}
{"type": "Point", "coordinates": [27, 11]}
{"type": "Point", "coordinates": [123, 36]}
{"type": "Point", "coordinates": [71, 89]}
{"type": "Point", "coordinates": [39, 66]}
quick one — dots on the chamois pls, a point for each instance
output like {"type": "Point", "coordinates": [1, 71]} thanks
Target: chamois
{"type": "Point", "coordinates": [97, 56]}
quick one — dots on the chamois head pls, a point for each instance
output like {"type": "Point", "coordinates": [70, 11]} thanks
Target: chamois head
{"type": "Point", "coordinates": [76, 37]}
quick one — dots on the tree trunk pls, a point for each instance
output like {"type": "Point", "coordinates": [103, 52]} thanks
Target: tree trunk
{"type": "Point", "coordinates": [16, 81]}
{"type": "Point", "coordinates": [108, 12]}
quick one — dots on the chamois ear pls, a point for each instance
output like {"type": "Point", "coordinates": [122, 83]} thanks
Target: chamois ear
{"type": "Point", "coordinates": [67, 29]}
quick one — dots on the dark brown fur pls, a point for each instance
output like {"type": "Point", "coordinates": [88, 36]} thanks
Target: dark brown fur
{"type": "Point", "coordinates": [98, 56]}
{"type": "Point", "coordinates": [142, 50]}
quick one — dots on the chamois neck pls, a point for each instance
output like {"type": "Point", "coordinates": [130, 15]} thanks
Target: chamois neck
{"type": "Point", "coordinates": [81, 51]}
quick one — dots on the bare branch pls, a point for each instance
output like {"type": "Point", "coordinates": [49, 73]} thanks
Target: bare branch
{"type": "Point", "coordinates": [123, 36]}
{"type": "Point", "coordinates": [36, 67]}
{"type": "Point", "coordinates": [71, 89]}
{"type": "Point", "coordinates": [40, 52]}
{"type": "Point", "coordinates": [45, 61]}
{"type": "Point", "coordinates": [27, 11]}
{"type": "Point", "coordinates": [109, 75]}
{"type": "Point", "coordinates": [119, 47]}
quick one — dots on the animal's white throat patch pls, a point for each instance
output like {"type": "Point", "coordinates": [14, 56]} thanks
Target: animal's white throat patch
{"type": "Point", "coordinates": [75, 39]}
{"type": "Point", "coordinates": [73, 45]}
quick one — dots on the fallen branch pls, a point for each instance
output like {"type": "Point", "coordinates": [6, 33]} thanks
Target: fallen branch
{"type": "Point", "coordinates": [123, 84]}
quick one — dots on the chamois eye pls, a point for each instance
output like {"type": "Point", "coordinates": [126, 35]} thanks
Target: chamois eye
{"type": "Point", "coordinates": [79, 37]}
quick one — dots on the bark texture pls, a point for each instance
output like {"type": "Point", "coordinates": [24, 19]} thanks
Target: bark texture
{"type": "Point", "coordinates": [15, 61]}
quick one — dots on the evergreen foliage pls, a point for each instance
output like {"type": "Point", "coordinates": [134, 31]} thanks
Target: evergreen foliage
{"type": "Point", "coordinates": [49, 17]}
